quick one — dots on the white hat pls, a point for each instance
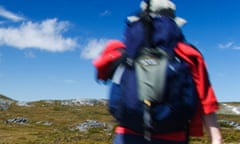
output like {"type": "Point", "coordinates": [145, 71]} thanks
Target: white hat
{"type": "Point", "coordinates": [157, 6]}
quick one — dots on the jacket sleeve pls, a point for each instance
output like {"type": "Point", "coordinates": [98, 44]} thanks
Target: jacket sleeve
{"type": "Point", "coordinates": [207, 99]}
{"type": "Point", "coordinates": [200, 75]}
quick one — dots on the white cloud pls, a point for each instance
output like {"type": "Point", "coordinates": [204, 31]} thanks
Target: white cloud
{"type": "Point", "coordinates": [229, 45]}
{"type": "Point", "coordinates": [46, 35]}
{"type": "Point", "coordinates": [105, 13]}
{"type": "Point", "coordinates": [226, 45]}
{"type": "Point", "coordinates": [9, 15]}
{"type": "Point", "coordinates": [93, 48]}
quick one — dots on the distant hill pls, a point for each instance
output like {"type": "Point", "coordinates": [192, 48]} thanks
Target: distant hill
{"type": "Point", "coordinates": [5, 102]}
{"type": "Point", "coordinates": [3, 97]}
{"type": "Point", "coordinates": [230, 108]}
{"type": "Point", "coordinates": [225, 107]}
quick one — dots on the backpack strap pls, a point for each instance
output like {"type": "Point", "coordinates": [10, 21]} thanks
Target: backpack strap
{"type": "Point", "coordinates": [148, 32]}
{"type": "Point", "coordinates": [147, 25]}
{"type": "Point", "coordinates": [118, 74]}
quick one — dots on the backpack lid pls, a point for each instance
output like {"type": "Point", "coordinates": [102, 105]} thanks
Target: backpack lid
{"type": "Point", "coordinates": [161, 7]}
{"type": "Point", "coordinates": [108, 58]}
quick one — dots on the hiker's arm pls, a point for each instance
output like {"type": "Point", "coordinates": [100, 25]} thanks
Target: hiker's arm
{"type": "Point", "coordinates": [212, 128]}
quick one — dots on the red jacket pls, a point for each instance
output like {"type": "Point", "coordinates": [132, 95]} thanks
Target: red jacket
{"type": "Point", "coordinates": [208, 102]}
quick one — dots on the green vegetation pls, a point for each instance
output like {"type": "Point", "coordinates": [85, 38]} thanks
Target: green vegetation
{"type": "Point", "coordinates": [54, 123]}
{"type": "Point", "coordinates": [62, 119]}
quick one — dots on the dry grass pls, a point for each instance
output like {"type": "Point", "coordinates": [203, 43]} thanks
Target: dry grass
{"type": "Point", "coordinates": [64, 119]}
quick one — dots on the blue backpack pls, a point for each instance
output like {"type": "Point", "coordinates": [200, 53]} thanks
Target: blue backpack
{"type": "Point", "coordinates": [172, 113]}
{"type": "Point", "coordinates": [174, 108]}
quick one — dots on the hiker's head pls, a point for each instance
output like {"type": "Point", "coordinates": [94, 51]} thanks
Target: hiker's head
{"type": "Point", "coordinates": [162, 7]}
{"type": "Point", "coordinates": [109, 59]}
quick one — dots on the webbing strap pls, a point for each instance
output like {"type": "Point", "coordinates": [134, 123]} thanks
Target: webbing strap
{"type": "Point", "coordinates": [118, 74]}
{"type": "Point", "coordinates": [147, 120]}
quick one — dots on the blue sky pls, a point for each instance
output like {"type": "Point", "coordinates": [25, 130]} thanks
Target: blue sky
{"type": "Point", "coordinates": [47, 46]}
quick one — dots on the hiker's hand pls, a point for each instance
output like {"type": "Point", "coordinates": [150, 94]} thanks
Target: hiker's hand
{"type": "Point", "coordinates": [216, 142]}
{"type": "Point", "coordinates": [212, 128]}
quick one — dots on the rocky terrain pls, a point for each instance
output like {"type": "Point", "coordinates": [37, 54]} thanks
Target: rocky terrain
{"type": "Point", "coordinates": [84, 120]}
{"type": "Point", "coordinates": [6, 102]}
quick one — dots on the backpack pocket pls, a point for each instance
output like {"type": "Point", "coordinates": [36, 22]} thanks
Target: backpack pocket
{"type": "Point", "coordinates": [150, 68]}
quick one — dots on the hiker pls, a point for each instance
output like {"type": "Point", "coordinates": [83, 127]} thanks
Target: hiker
{"type": "Point", "coordinates": [167, 34]}
{"type": "Point", "coordinates": [115, 64]}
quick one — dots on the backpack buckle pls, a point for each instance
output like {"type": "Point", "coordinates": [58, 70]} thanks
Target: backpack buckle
{"type": "Point", "coordinates": [147, 119]}
{"type": "Point", "coordinates": [147, 102]}
{"type": "Point", "coordinates": [147, 135]}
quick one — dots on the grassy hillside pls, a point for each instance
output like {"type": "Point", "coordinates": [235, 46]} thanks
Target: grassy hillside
{"type": "Point", "coordinates": [54, 123]}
